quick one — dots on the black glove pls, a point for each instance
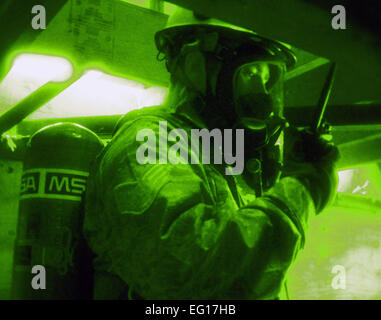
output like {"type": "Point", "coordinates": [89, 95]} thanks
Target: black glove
{"type": "Point", "coordinates": [311, 158]}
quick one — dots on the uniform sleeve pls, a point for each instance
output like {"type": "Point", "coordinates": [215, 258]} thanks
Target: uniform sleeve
{"type": "Point", "coordinates": [163, 232]}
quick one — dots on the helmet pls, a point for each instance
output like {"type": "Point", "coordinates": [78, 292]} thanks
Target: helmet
{"type": "Point", "coordinates": [184, 21]}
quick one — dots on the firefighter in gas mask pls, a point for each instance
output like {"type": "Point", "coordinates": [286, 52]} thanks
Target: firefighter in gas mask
{"type": "Point", "coordinates": [189, 231]}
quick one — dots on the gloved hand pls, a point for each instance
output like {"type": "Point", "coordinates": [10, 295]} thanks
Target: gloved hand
{"type": "Point", "coordinates": [311, 158]}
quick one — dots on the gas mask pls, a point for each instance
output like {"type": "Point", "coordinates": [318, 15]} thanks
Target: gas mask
{"type": "Point", "coordinates": [258, 89]}
{"type": "Point", "coordinates": [258, 103]}
{"type": "Point", "coordinates": [242, 84]}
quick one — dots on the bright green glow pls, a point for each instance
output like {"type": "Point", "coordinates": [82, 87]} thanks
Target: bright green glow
{"type": "Point", "coordinates": [364, 180]}
{"type": "Point", "coordinates": [42, 67]}
{"type": "Point", "coordinates": [28, 73]}
{"type": "Point", "coordinates": [340, 236]}
{"type": "Point", "coordinates": [346, 234]}
{"type": "Point", "coordinates": [97, 93]}
{"type": "Point", "coordinates": [140, 3]}
{"type": "Point", "coordinates": [345, 180]}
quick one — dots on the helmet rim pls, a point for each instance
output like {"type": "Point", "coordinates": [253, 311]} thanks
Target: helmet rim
{"type": "Point", "coordinates": [283, 51]}
{"type": "Point", "coordinates": [184, 20]}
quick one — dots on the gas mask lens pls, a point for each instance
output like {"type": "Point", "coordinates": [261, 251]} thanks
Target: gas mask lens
{"type": "Point", "coordinates": [258, 88]}
{"type": "Point", "coordinates": [254, 76]}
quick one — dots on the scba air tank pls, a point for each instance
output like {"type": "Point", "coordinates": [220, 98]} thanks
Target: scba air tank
{"type": "Point", "coordinates": [50, 259]}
